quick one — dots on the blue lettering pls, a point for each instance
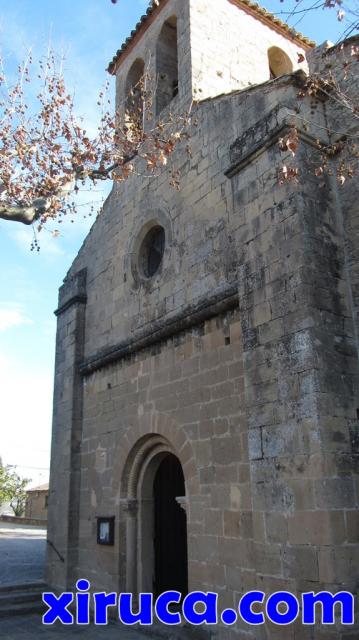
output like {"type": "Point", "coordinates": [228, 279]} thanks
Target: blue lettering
{"type": "Point", "coordinates": [102, 602]}
{"type": "Point", "coordinates": [245, 607]}
{"type": "Point", "coordinates": [83, 602]}
{"type": "Point", "coordinates": [162, 604]}
{"type": "Point", "coordinates": [292, 608]}
{"type": "Point", "coordinates": [328, 601]}
{"type": "Point", "coordinates": [208, 616]}
{"type": "Point", "coordinates": [229, 617]}
{"type": "Point", "coordinates": [144, 615]}
{"type": "Point", "coordinates": [58, 608]}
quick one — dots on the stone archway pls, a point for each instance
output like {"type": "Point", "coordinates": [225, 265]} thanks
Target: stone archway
{"type": "Point", "coordinates": [142, 500]}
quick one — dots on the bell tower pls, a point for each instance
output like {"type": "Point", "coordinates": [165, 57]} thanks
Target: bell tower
{"type": "Point", "coordinates": [199, 49]}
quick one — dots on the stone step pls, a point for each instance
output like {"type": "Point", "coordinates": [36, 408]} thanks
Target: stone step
{"type": "Point", "coordinates": [23, 609]}
{"type": "Point", "coordinates": [24, 586]}
{"type": "Point", "coordinates": [22, 599]}
{"type": "Point", "coordinates": [16, 597]}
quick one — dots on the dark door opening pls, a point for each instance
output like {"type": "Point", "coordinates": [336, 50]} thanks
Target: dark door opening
{"type": "Point", "coordinates": [171, 572]}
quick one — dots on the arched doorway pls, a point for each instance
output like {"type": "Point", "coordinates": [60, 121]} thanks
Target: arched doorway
{"type": "Point", "coordinates": [170, 535]}
{"type": "Point", "coordinates": [154, 520]}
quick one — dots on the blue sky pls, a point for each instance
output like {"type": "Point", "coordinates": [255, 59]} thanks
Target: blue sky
{"type": "Point", "coordinates": [89, 32]}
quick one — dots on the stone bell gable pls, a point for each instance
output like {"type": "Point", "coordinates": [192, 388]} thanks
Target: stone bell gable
{"type": "Point", "coordinates": [195, 49]}
{"type": "Point", "coordinates": [206, 380]}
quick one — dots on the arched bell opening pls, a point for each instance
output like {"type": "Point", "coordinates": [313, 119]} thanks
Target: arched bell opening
{"type": "Point", "coordinates": [279, 62]}
{"type": "Point", "coordinates": [134, 98]}
{"type": "Point", "coordinates": [166, 65]}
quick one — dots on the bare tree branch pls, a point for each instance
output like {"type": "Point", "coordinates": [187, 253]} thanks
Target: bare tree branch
{"type": "Point", "coordinates": [46, 153]}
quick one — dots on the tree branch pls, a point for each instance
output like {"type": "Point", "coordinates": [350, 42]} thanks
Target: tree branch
{"type": "Point", "coordinates": [17, 213]}
{"type": "Point", "coordinates": [28, 215]}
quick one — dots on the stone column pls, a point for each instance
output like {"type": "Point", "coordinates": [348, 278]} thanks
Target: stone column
{"type": "Point", "coordinates": [131, 514]}
{"type": "Point", "coordinates": [65, 477]}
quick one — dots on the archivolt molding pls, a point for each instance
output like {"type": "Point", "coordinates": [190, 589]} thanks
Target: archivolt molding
{"type": "Point", "coordinates": [155, 452]}
{"type": "Point", "coordinates": [151, 446]}
{"type": "Point", "coordinates": [141, 443]}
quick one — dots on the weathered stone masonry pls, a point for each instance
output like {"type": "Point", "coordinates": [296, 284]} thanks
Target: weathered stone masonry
{"type": "Point", "coordinates": [239, 356]}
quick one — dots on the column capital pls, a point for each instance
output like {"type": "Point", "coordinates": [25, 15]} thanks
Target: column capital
{"type": "Point", "coordinates": [183, 503]}
{"type": "Point", "coordinates": [130, 506]}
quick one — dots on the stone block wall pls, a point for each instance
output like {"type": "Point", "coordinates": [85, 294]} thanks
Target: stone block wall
{"type": "Point", "coordinates": [36, 504]}
{"type": "Point", "coordinates": [189, 389]}
{"type": "Point", "coordinates": [230, 48]}
{"type": "Point", "coordinates": [301, 381]}
{"type": "Point", "coordinates": [341, 62]}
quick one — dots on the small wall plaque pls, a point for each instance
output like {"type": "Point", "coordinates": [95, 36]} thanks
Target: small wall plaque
{"type": "Point", "coordinates": [106, 531]}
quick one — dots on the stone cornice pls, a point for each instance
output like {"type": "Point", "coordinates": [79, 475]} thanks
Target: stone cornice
{"type": "Point", "coordinates": [187, 318]}
{"type": "Point", "coordinates": [266, 142]}
{"type": "Point", "coordinates": [78, 299]}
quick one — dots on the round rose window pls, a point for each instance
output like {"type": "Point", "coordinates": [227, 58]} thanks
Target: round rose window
{"type": "Point", "coordinates": [151, 251]}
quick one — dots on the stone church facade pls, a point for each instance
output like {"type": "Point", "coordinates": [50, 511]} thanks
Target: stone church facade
{"type": "Point", "coordinates": [206, 383]}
